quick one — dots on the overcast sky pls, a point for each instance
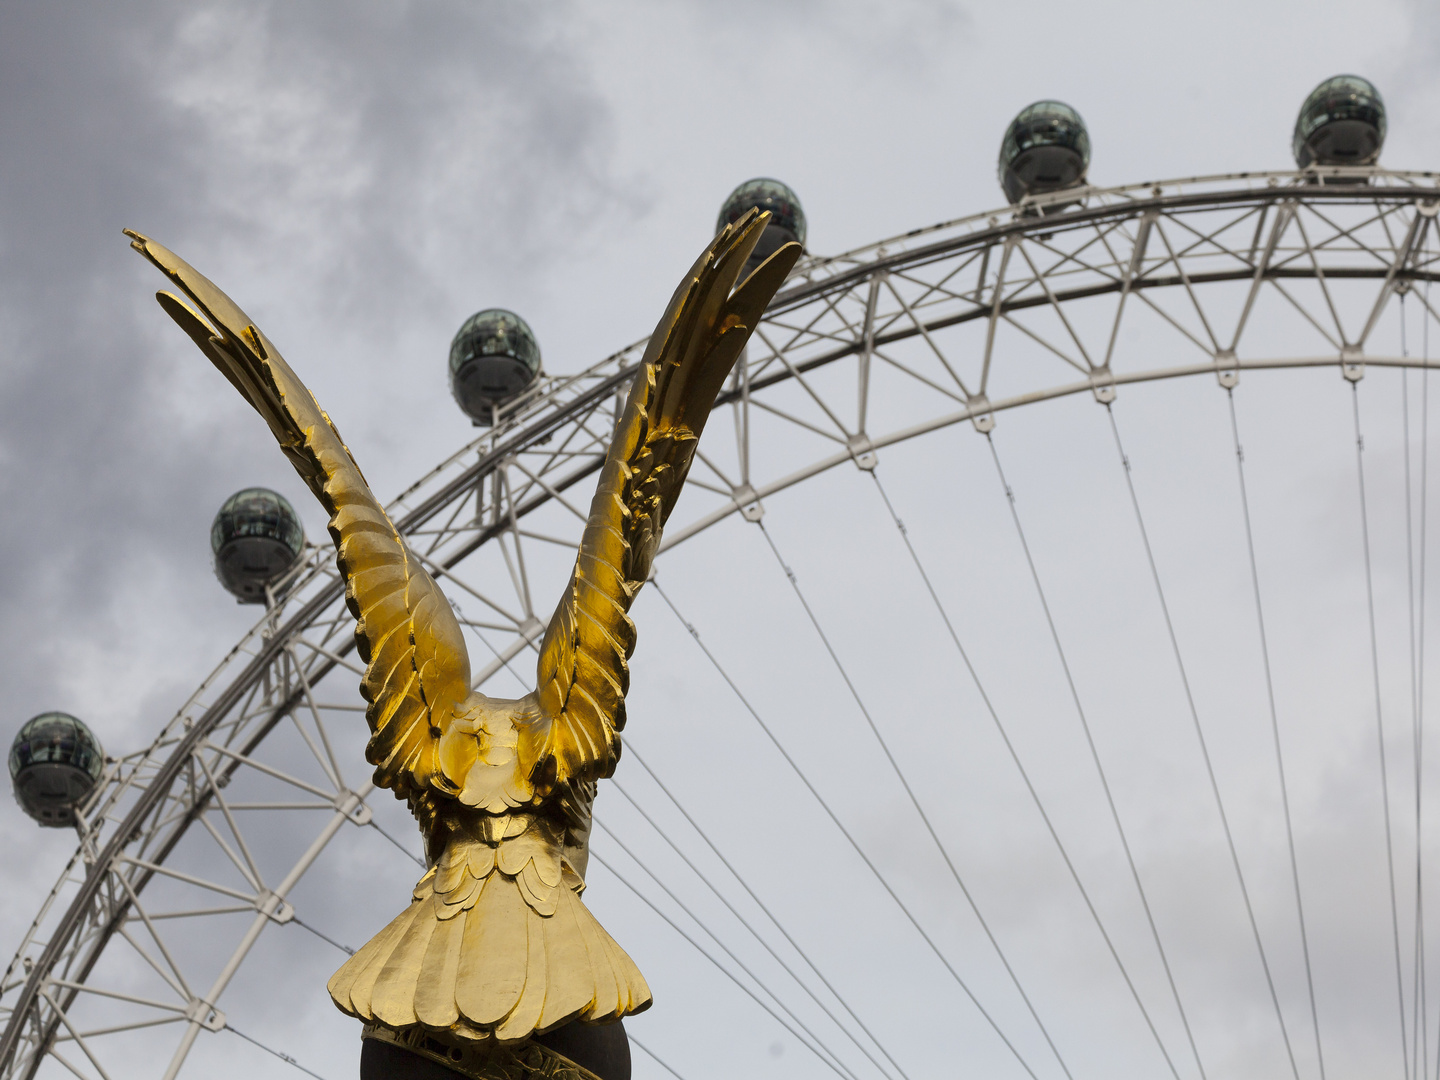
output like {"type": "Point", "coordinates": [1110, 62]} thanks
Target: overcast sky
{"type": "Point", "coordinates": [361, 177]}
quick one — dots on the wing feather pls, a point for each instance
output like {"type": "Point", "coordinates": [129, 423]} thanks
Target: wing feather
{"type": "Point", "coordinates": [417, 668]}
{"type": "Point", "coordinates": [583, 671]}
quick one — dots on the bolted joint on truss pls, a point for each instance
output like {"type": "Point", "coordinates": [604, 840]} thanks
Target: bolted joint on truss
{"type": "Point", "coordinates": [1102, 384]}
{"type": "Point", "coordinates": [862, 452]}
{"type": "Point", "coordinates": [206, 1015]}
{"type": "Point", "coordinates": [747, 501]}
{"type": "Point", "coordinates": [1352, 363]}
{"type": "Point", "coordinates": [273, 907]}
{"type": "Point", "coordinates": [981, 415]}
{"type": "Point", "coordinates": [1227, 369]}
{"type": "Point", "coordinates": [354, 807]}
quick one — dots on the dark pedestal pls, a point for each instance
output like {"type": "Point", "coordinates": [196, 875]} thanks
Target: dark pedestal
{"type": "Point", "coordinates": [604, 1049]}
{"type": "Point", "coordinates": [601, 1049]}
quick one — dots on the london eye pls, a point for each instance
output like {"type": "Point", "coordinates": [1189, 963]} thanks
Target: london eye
{"type": "Point", "coordinates": [1185, 883]}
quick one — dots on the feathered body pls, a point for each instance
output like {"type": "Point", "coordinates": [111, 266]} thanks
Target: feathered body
{"type": "Point", "coordinates": [497, 940]}
{"type": "Point", "coordinates": [497, 943]}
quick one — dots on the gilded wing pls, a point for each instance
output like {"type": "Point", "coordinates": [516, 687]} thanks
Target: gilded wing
{"type": "Point", "coordinates": [583, 671]}
{"type": "Point", "coordinates": [417, 668]}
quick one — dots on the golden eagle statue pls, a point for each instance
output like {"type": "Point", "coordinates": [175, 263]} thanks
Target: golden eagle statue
{"type": "Point", "coordinates": [497, 945]}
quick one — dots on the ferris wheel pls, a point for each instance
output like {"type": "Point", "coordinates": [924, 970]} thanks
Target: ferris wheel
{"type": "Point", "coordinates": [213, 850]}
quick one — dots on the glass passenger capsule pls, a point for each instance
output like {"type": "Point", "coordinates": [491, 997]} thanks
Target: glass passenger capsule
{"type": "Point", "coordinates": [787, 218]}
{"type": "Point", "coordinates": [256, 538]}
{"type": "Point", "coordinates": [55, 762]}
{"type": "Point", "coordinates": [1341, 123]}
{"type": "Point", "coordinates": [493, 360]}
{"type": "Point", "coordinates": [1046, 148]}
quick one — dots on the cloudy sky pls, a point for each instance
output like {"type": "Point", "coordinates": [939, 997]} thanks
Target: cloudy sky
{"type": "Point", "coordinates": [363, 176]}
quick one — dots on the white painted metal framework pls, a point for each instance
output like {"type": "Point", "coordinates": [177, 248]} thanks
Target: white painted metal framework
{"type": "Point", "coordinates": [958, 322]}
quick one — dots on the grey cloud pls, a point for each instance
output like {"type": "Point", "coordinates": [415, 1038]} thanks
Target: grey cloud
{"type": "Point", "coordinates": [368, 147]}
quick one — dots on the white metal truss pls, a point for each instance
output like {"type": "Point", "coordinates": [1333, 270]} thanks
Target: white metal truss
{"type": "Point", "coordinates": [958, 322]}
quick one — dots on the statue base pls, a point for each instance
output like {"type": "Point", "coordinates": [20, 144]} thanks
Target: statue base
{"type": "Point", "coordinates": [572, 1052]}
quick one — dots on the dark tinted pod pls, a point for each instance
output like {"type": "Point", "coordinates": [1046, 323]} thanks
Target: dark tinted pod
{"type": "Point", "coordinates": [787, 218]}
{"type": "Point", "coordinates": [494, 358]}
{"type": "Point", "coordinates": [1046, 148]}
{"type": "Point", "coordinates": [256, 538]}
{"type": "Point", "coordinates": [55, 762]}
{"type": "Point", "coordinates": [1341, 123]}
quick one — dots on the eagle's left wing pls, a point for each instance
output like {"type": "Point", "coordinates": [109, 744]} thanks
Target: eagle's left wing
{"type": "Point", "coordinates": [417, 668]}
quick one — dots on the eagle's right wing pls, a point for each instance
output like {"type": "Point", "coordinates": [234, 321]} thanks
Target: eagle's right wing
{"type": "Point", "coordinates": [583, 670]}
